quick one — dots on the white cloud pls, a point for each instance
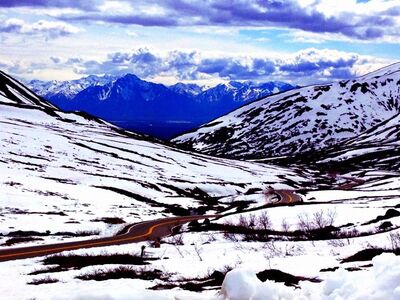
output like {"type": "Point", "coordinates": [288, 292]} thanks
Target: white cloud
{"type": "Point", "coordinates": [116, 7]}
{"type": "Point", "coordinates": [50, 29]}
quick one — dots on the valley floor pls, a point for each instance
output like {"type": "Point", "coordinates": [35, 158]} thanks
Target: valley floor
{"type": "Point", "coordinates": [365, 218]}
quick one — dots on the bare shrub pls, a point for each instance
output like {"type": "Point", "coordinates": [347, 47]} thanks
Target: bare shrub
{"type": "Point", "coordinates": [210, 238]}
{"type": "Point", "coordinates": [252, 220]}
{"type": "Point", "coordinates": [336, 243]}
{"type": "Point", "coordinates": [353, 232]}
{"type": "Point", "coordinates": [322, 219]}
{"type": "Point", "coordinates": [293, 249]}
{"type": "Point", "coordinates": [244, 222]}
{"type": "Point", "coordinates": [176, 240]}
{"type": "Point", "coordinates": [273, 249]}
{"type": "Point", "coordinates": [198, 251]}
{"type": "Point", "coordinates": [304, 223]}
{"type": "Point", "coordinates": [264, 221]}
{"type": "Point", "coordinates": [394, 238]}
{"type": "Point", "coordinates": [319, 220]}
{"type": "Point", "coordinates": [249, 222]}
{"type": "Point", "coordinates": [285, 226]}
{"type": "Point", "coordinates": [233, 237]}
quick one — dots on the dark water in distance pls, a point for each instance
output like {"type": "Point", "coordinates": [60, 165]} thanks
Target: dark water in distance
{"type": "Point", "coordinates": [162, 130]}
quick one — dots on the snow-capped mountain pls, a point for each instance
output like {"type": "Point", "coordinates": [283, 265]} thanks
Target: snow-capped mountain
{"type": "Point", "coordinates": [187, 89]}
{"type": "Point", "coordinates": [66, 90]}
{"type": "Point", "coordinates": [152, 108]}
{"type": "Point", "coordinates": [301, 120]}
{"type": "Point", "coordinates": [242, 92]}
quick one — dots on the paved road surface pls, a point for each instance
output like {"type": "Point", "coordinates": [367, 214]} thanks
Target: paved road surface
{"type": "Point", "coordinates": [285, 196]}
{"type": "Point", "coordinates": [149, 230]}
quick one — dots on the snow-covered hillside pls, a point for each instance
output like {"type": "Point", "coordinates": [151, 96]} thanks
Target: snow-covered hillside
{"type": "Point", "coordinates": [377, 148]}
{"type": "Point", "coordinates": [297, 121]}
{"type": "Point", "coordinates": [59, 158]}
{"type": "Point", "coordinates": [12, 92]}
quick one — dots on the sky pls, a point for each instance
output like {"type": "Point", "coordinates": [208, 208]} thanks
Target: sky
{"type": "Point", "coordinates": [205, 42]}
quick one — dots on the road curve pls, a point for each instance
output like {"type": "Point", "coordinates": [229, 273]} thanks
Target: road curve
{"type": "Point", "coordinates": [148, 230]}
{"type": "Point", "coordinates": [286, 196]}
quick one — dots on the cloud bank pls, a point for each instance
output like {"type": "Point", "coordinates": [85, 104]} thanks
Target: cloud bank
{"type": "Point", "coordinates": [358, 20]}
{"type": "Point", "coordinates": [370, 20]}
{"type": "Point", "coordinates": [309, 64]}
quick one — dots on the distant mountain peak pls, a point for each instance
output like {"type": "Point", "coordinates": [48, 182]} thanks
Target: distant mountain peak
{"type": "Point", "coordinates": [130, 76]}
{"type": "Point", "coordinates": [188, 89]}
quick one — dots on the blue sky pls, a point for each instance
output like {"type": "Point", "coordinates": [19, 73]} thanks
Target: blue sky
{"type": "Point", "coordinates": [298, 41]}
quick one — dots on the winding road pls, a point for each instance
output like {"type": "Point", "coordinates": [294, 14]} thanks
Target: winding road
{"type": "Point", "coordinates": [285, 196]}
{"type": "Point", "coordinates": [148, 230]}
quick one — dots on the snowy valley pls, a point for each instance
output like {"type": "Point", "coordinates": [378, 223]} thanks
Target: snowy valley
{"type": "Point", "coordinates": [320, 226]}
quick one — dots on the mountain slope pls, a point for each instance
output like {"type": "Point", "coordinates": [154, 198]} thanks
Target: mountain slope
{"type": "Point", "coordinates": [301, 120]}
{"type": "Point", "coordinates": [377, 148]}
{"type": "Point", "coordinates": [13, 92]}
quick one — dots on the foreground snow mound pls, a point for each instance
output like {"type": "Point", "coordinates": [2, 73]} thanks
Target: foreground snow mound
{"type": "Point", "coordinates": [301, 120]}
{"type": "Point", "coordinates": [242, 284]}
{"type": "Point", "coordinates": [380, 282]}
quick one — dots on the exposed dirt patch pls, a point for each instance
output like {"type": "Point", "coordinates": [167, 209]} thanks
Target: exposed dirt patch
{"type": "Point", "coordinates": [124, 272]}
{"type": "Point", "coordinates": [110, 220]}
{"type": "Point", "coordinates": [80, 261]}
{"type": "Point", "coordinates": [390, 213]}
{"type": "Point", "coordinates": [213, 281]}
{"type": "Point", "coordinates": [18, 240]}
{"type": "Point", "coordinates": [365, 255]}
{"type": "Point", "coordinates": [286, 278]}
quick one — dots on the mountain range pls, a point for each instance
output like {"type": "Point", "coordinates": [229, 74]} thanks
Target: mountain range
{"type": "Point", "coordinates": [151, 108]}
{"type": "Point", "coordinates": [302, 120]}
